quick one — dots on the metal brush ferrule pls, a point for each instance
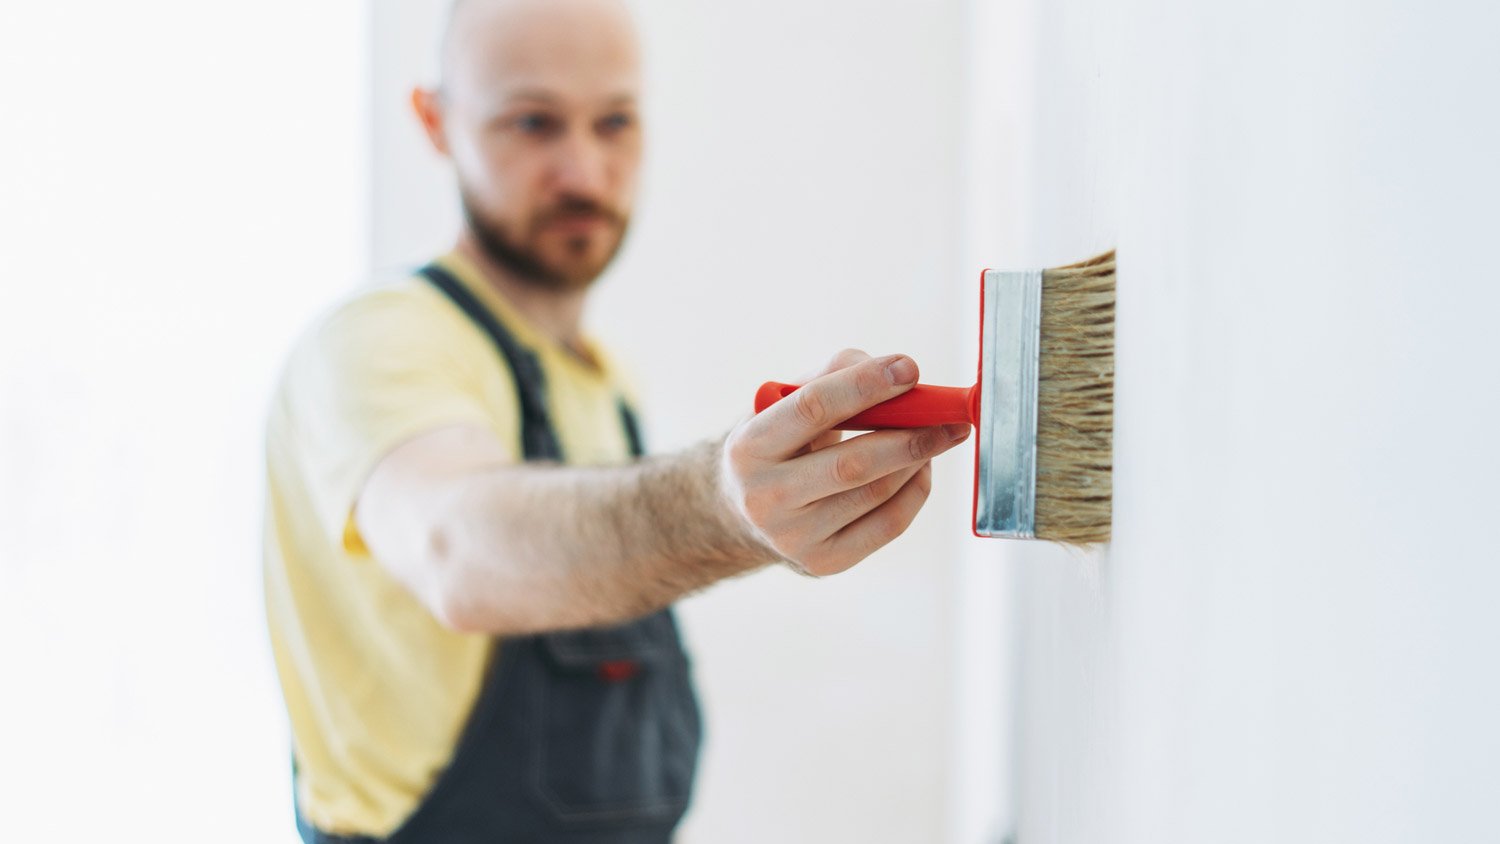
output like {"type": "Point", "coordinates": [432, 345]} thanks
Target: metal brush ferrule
{"type": "Point", "coordinates": [1005, 502]}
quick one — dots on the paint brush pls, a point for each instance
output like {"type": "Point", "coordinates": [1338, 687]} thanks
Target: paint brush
{"type": "Point", "coordinates": [1043, 407]}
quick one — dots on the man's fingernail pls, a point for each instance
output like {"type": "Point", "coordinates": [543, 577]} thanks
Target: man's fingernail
{"type": "Point", "coordinates": [901, 371]}
{"type": "Point", "coordinates": [956, 432]}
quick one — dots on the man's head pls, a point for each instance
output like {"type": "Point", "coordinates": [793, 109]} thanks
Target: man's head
{"type": "Point", "coordinates": [538, 111]}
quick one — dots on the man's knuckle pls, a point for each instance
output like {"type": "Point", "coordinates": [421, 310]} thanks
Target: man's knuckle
{"type": "Point", "coordinates": [846, 358]}
{"type": "Point", "coordinates": [737, 449]}
{"type": "Point", "coordinates": [849, 468]}
{"type": "Point", "coordinates": [877, 491]}
{"type": "Point", "coordinates": [890, 525]}
{"type": "Point", "coordinates": [761, 504]}
{"type": "Point", "coordinates": [919, 446]}
{"type": "Point", "coordinates": [872, 381]}
{"type": "Point", "coordinates": [810, 408]}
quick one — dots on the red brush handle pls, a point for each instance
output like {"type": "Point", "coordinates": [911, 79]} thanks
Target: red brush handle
{"type": "Point", "coordinates": [918, 407]}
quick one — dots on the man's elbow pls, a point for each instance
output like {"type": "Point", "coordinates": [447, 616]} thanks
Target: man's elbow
{"type": "Point", "coordinates": [448, 593]}
{"type": "Point", "coordinates": [459, 614]}
{"type": "Point", "coordinates": [464, 595]}
{"type": "Point", "coordinates": [464, 609]}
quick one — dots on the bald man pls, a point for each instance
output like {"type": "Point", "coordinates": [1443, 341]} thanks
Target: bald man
{"type": "Point", "coordinates": [469, 563]}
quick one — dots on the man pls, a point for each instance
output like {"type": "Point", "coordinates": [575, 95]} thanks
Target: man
{"type": "Point", "coordinates": [468, 567]}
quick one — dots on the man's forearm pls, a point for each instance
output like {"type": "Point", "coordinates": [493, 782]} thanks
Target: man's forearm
{"type": "Point", "coordinates": [488, 545]}
{"type": "Point", "coordinates": [541, 547]}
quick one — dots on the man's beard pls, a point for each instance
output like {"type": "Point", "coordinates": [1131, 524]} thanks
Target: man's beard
{"type": "Point", "coordinates": [525, 262]}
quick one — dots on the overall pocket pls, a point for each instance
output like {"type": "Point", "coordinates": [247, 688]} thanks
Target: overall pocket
{"type": "Point", "coordinates": [618, 727]}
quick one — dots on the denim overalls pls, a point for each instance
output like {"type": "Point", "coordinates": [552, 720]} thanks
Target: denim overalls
{"type": "Point", "coordinates": [577, 737]}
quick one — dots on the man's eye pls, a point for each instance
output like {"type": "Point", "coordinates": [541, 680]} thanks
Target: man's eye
{"type": "Point", "coordinates": [535, 123]}
{"type": "Point", "coordinates": [616, 123]}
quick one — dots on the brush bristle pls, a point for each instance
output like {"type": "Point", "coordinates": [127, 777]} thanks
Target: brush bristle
{"type": "Point", "coordinates": [1075, 402]}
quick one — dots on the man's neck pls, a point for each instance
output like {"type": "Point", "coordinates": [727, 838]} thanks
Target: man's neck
{"type": "Point", "coordinates": [556, 314]}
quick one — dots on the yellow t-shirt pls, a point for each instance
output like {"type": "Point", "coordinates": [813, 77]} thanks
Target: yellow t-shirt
{"type": "Point", "coordinates": [377, 691]}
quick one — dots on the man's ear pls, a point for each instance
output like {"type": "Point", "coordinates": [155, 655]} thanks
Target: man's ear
{"type": "Point", "coordinates": [428, 106]}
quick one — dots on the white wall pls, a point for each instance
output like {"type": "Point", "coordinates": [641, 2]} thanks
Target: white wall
{"type": "Point", "coordinates": [800, 196]}
{"type": "Point", "coordinates": [181, 187]}
{"type": "Point", "coordinates": [1292, 636]}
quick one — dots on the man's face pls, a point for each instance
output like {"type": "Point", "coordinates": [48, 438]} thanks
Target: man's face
{"type": "Point", "coordinates": [540, 116]}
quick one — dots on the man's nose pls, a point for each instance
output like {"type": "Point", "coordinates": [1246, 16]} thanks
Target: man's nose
{"type": "Point", "coordinates": [582, 167]}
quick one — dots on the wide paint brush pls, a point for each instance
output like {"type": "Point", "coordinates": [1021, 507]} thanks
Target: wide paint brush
{"type": "Point", "coordinates": [1043, 408]}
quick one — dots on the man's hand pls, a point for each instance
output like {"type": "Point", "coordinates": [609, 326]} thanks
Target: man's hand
{"type": "Point", "coordinates": [822, 503]}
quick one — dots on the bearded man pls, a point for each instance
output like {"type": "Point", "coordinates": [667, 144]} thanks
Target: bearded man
{"type": "Point", "coordinates": [469, 562]}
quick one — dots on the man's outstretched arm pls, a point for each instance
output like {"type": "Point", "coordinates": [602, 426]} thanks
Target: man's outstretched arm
{"type": "Point", "coordinates": [488, 545]}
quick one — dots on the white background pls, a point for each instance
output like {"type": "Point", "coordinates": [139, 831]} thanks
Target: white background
{"type": "Point", "coordinates": [1293, 634]}
{"type": "Point", "coordinates": [182, 186]}
{"type": "Point", "coordinates": [1291, 637]}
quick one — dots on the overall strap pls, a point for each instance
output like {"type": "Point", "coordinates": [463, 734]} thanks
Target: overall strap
{"type": "Point", "coordinates": [632, 430]}
{"type": "Point", "coordinates": [538, 437]}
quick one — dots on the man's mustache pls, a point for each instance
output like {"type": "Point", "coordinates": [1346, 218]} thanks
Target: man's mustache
{"type": "Point", "coordinates": [574, 208]}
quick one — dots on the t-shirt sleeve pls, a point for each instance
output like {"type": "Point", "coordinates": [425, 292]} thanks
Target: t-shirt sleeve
{"type": "Point", "coordinates": [375, 373]}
